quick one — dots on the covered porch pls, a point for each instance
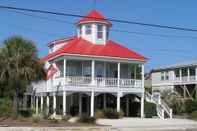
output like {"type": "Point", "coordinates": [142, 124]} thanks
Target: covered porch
{"type": "Point", "coordinates": [68, 103]}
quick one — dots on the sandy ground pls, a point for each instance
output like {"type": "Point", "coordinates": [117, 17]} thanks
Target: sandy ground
{"type": "Point", "coordinates": [125, 124]}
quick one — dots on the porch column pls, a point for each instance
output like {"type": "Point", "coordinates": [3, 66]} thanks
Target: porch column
{"type": "Point", "coordinates": [80, 105]}
{"type": "Point", "coordinates": [36, 105]}
{"type": "Point", "coordinates": [118, 102]}
{"type": "Point", "coordinates": [92, 104]}
{"type": "Point", "coordinates": [196, 73]}
{"type": "Point", "coordinates": [118, 74]}
{"type": "Point", "coordinates": [41, 103]}
{"type": "Point", "coordinates": [93, 71]}
{"type": "Point", "coordinates": [47, 102]}
{"type": "Point", "coordinates": [188, 74]}
{"type": "Point", "coordinates": [142, 97]}
{"type": "Point", "coordinates": [142, 105]}
{"type": "Point", "coordinates": [180, 74]}
{"type": "Point", "coordinates": [64, 103]}
{"type": "Point", "coordinates": [64, 75]}
{"type": "Point", "coordinates": [173, 76]}
{"type": "Point", "coordinates": [184, 91]}
{"type": "Point", "coordinates": [54, 104]}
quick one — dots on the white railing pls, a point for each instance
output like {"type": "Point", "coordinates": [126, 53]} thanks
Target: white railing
{"type": "Point", "coordinates": [101, 81]}
{"type": "Point", "coordinates": [185, 79]}
{"type": "Point", "coordinates": [162, 107]}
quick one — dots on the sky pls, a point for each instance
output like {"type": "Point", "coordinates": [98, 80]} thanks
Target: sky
{"type": "Point", "coordinates": [164, 48]}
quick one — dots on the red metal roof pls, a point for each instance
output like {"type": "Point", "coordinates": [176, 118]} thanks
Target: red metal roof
{"type": "Point", "coordinates": [79, 46]}
{"type": "Point", "coordinates": [93, 16]}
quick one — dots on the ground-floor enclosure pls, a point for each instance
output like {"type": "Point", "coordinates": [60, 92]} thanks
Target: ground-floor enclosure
{"type": "Point", "coordinates": [78, 103]}
{"type": "Point", "coordinates": [186, 91]}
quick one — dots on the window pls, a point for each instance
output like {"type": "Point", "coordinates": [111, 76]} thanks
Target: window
{"type": "Point", "coordinates": [192, 71]}
{"type": "Point", "coordinates": [177, 73]}
{"type": "Point", "coordinates": [166, 75]}
{"type": "Point", "coordinates": [100, 31]}
{"type": "Point", "coordinates": [88, 30]}
{"type": "Point", "coordinates": [162, 76]}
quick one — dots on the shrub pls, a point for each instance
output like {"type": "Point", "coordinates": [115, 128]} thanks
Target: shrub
{"type": "Point", "coordinates": [99, 114]}
{"type": "Point", "coordinates": [36, 118]}
{"type": "Point", "coordinates": [193, 115]}
{"type": "Point", "coordinates": [5, 107]}
{"type": "Point", "coordinates": [112, 113]}
{"type": "Point", "coordinates": [85, 118]}
{"type": "Point", "coordinates": [65, 118]}
{"type": "Point", "coordinates": [190, 106]}
{"type": "Point", "coordinates": [149, 110]}
{"type": "Point", "coordinates": [25, 112]}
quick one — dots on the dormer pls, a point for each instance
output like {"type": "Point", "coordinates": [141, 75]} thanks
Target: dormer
{"type": "Point", "coordinates": [94, 28]}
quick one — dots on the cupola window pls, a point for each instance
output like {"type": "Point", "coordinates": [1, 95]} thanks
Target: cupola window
{"type": "Point", "coordinates": [100, 31]}
{"type": "Point", "coordinates": [88, 30]}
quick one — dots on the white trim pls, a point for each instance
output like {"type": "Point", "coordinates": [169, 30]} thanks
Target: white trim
{"type": "Point", "coordinates": [103, 57]}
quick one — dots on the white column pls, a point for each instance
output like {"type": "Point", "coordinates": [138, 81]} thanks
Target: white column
{"type": "Point", "coordinates": [104, 101]}
{"type": "Point", "coordinates": [54, 105]}
{"type": "Point", "coordinates": [47, 102]}
{"type": "Point", "coordinates": [80, 104]}
{"type": "Point", "coordinates": [142, 73]}
{"type": "Point", "coordinates": [142, 105]}
{"type": "Point", "coordinates": [36, 105]}
{"type": "Point", "coordinates": [64, 103]}
{"type": "Point", "coordinates": [118, 73]}
{"type": "Point", "coordinates": [196, 73]}
{"type": "Point", "coordinates": [64, 72]}
{"type": "Point", "coordinates": [188, 74]}
{"type": "Point", "coordinates": [92, 104]}
{"type": "Point", "coordinates": [118, 102]}
{"type": "Point", "coordinates": [41, 103]}
{"type": "Point", "coordinates": [180, 74]}
{"type": "Point", "coordinates": [173, 76]}
{"type": "Point", "coordinates": [93, 71]}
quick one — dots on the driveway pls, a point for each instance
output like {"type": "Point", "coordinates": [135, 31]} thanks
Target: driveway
{"type": "Point", "coordinates": [150, 124]}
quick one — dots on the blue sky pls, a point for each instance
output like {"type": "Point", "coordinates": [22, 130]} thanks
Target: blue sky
{"type": "Point", "coordinates": [160, 50]}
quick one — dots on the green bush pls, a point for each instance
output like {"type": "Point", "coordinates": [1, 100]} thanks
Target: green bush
{"type": "Point", "coordinates": [5, 107]}
{"type": "Point", "coordinates": [190, 106]}
{"type": "Point", "coordinates": [25, 112]}
{"type": "Point", "coordinates": [36, 118]}
{"type": "Point", "coordinates": [193, 115]}
{"type": "Point", "coordinates": [112, 113]}
{"type": "Point", "coordinates": [150, 110]}
{"type": "Point", "coordinates": [85, 118]}
{"type": "Point", "coordinates": [99, 114]}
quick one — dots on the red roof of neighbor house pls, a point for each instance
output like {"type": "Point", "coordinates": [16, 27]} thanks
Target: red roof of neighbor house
{"type": "Point", "coordinates": [93, 16]}
{"type": "Point", "coordinates": [80, 46]}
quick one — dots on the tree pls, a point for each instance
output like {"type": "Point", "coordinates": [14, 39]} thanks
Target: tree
{"type": "Point", "coordinates": [19, 66]}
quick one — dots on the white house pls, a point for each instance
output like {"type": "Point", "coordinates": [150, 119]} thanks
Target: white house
{"type": "Point", "coordinates": [93, 73]}
{"type": "Point", "coordinates": [180, 78]}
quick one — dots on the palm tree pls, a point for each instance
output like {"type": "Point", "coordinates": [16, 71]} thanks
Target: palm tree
{"type": "Point", "coordinates": [19, 66]}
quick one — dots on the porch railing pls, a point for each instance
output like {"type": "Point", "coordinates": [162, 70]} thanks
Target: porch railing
{"type": "Point", "coordinates": [185, 79]}
{"type": "Point", "coordinates": [102, 81]}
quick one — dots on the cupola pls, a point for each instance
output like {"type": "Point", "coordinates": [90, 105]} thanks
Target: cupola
{"type": "Point", "coordinates": [94, 28]}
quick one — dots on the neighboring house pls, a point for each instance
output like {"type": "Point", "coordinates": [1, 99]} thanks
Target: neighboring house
{"type": "Point", "coordinates": [91, 72]}
{"type": "Point", "coordinates": [180, 78]}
